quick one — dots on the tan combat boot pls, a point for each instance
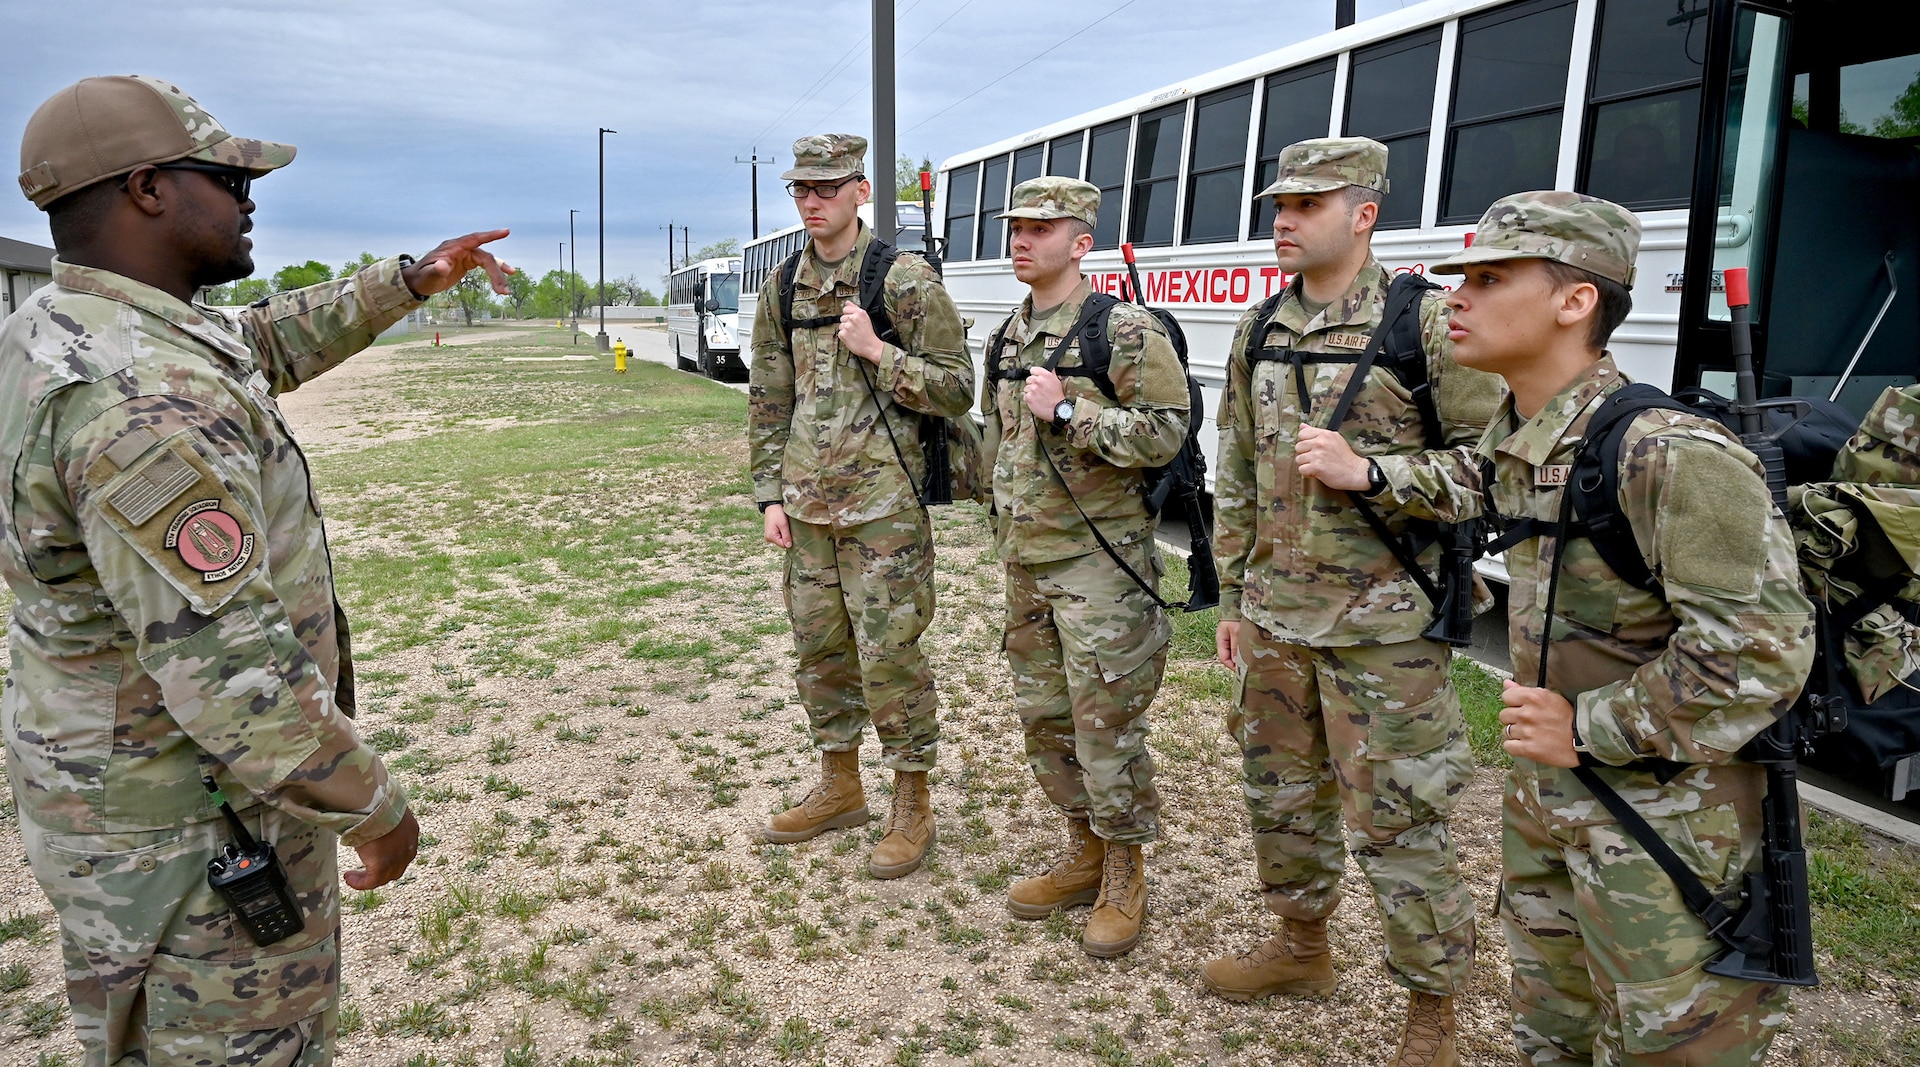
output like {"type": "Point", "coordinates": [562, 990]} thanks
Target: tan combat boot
{"type": "Point", "coordinates": [909, 828]}
{"type": "Point", "coordinates": [836, 803]}
{"type": "Point", "coordinates": [1427, 1040]}
{"type": "Point", "coordinates": [1122, 906]}
{"type": "Point", "coordinates": [1072, 882]}
{"type": "Point", "coordinates": [1296, 962]}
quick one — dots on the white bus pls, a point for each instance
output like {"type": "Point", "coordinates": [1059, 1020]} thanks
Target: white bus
{"type": "Point", "coordinates": [1777, 135]}
{"type": "Point", "coordinates": [763, 255]}
{"type": "Point", "coordinates": [703, 317]}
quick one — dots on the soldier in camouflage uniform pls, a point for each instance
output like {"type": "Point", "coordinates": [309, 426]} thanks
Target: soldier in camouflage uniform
{"type": "Point", "coordinates": [174, 610]}
{"type": "Point", "coordinates": [1345, 706]}
{"type": "Point", "coordinates": [835, 455]}
{"type": "Point", "coordinates": [1086, 643]}
{"type": "Point", "coordinates": [1607, 958]}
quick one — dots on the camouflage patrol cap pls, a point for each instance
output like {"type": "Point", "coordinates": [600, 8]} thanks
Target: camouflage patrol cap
{"type": "Point", "coordinates": [1572, 228]}
{"type": "Point", "coordinates": [1054, 198]}
{"type": "Point", "coordinates": [827, 157]}
{"type": "Point", "coordinates": [1324, 164]}
{"type": "Point", "coordinates": [100, 128]}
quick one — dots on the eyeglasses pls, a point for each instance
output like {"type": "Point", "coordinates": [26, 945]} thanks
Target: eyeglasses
{"type": "Point", "coordinates": [799, 190]}
{"type": "Point", "coordinates": [237, 182]}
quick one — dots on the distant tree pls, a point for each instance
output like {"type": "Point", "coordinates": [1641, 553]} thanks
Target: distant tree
{"type": "Point", "coordinates": [520, 290]}
{"type": "Point", "coordinates": [726, 247]}
{"type": "Point", "coordinates": [240, 293]}
{"type": "Point", "coordinates": [352, 266]}
{"type": "Point", "coordinates": [906, 178]}
{"type": "Point", "coordinates": [1903, 118]}
{"type": "Point", "coordinates": [645, 297]}
{"type": "Point", "coordinates": [473, 294]}
{"type": "Point", "coordinates": [312, 272]}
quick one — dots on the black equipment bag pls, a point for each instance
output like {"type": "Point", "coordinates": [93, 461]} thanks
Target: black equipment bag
{"type": "Point", "coordinates": [950, 448]}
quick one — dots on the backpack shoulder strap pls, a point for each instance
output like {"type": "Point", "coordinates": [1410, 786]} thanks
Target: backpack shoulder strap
{"type": "Point", "coordinates": [1400, 297]}
{"type": "Point", "coordinates": [1594, 483]}
{"type": "Point", "coordinates": [1255, 346]}
{"type": "Point", "coordinates": [1096, 351]}
{"type": "Point", "coordinates": [1405, 357]}
{"type": "Point", "coordinates": [789, 272]}
{"type": "Point", "coordinates": [994, 341]}
{"type": "Point", "coordinates": [874, 267]}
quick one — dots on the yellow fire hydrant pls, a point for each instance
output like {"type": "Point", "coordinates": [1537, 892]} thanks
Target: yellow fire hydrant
{"type": "Point", "coordinates": [619, 357]}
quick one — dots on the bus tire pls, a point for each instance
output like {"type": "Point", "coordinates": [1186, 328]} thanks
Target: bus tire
{"type": "Point", "coordinates": [707, 369]}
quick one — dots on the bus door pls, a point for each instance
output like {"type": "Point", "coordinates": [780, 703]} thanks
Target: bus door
{"type": "Point", "coordinates": [1808, 175]}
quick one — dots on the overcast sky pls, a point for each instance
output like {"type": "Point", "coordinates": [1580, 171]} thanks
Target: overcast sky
{"type": "Point", "coordinates": [421, 121]}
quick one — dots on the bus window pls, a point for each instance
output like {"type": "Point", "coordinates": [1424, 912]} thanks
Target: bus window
{"type": "Point", "coordinates": [1156, 173]}
{"type": "Point", "coordinates": [1510, 91]}
{"type": "Point", "coordinates": [1063, 155]}
{"type": "Point", "coordinates": [1107, 168]}
{"type": "Point", "coordinates": [1390, 99]}
{"type": "Point", "coordinates": [963, 187]}
{"type": "Point", "coordinates": [1026, 163]}
{"type": "Point", "coordinates": [723, 293]}
{"type": "Point", "coordinates": [1643, 111]}
{"type": "Point", "coordinates": [1217, 188]}
{"type": "Point", "coordinates": [993, 200]}
{"type": "Point", "coordinates": [1298, 105]}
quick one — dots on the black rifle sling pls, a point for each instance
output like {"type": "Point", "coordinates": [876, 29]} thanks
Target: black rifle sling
{"type": "Point", "coordinates": [1721, 921]}
{"type": "Point", "coordinates": [1402, 295]}
{"type": "Point", "coordinates": [879, 259]}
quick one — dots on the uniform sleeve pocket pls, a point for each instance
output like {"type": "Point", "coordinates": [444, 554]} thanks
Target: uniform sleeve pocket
{"type": "Point", "coordinates": [173, 509]}
{"type": "Point", "coordinates": [237, 996]}
{"type": "Point", "coordinates": [1133, 650]}
{"type": "Point", "coordinates": [1420, 761]}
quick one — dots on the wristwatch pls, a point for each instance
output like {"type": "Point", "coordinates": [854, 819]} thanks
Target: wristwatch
{"type": "Point", "coordinates": [1061, 413]}
{"type": "Point", "coordinates": [1376, 478]}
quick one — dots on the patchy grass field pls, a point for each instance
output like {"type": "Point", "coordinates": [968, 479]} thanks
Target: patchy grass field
{"type": "Point", "coordinates": [572, 649]}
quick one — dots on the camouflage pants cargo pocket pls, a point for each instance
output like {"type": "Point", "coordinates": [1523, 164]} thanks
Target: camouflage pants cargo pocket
{"type": "Point", "coordinates": [270, 1011]}
{"type": "Point", "coordinates": [1420, 761]}
{"type": "Point", "coordinates": [1609, 963]}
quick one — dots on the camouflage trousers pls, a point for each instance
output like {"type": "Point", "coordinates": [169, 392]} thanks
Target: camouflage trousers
{"type": "Point", "coordinates": [159, 974]}
{"type": "Point", "coordinates": [1087, 648]}
{"type": "Point", "coordinates": [1371, 736]}
{"type": "Point", "coordinates": [860, 597]}
{"type": "Point", "coordinates": [1607, 958]}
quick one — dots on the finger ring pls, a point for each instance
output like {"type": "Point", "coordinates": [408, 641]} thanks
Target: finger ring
{"type": "Point", "coordinates": [1506, 732]}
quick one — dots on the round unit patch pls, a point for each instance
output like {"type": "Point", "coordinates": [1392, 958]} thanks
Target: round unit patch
{"type": "Point", "coordinates": [209, 540]}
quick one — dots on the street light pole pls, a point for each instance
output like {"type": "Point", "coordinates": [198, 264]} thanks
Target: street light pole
{"type": "Point", "coordinates": [755, 162]}
{"type": "Point", "coordinates": [573, 253]}
{"type": "Point", "coordinates": [601, 338]}
{"type": "Point", "coordinates": [886, 190]}
{"type": "Point", "coordinates": [686, 245]}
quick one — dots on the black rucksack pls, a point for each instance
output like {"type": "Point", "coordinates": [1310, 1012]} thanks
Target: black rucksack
{"type": "Point", "coordinates": [951, 448]}
{"type": "Point", "coordinates": [1182, 478]}
{"type": "Point", "coordinates": [1395, 347]}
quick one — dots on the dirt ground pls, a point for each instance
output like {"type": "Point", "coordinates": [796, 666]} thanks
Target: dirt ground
{"type": "Point", "coordinates": [594, 889]}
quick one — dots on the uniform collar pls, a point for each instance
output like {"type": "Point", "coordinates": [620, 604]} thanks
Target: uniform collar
{"type": "Point", "coordinates": [1063, 317]}
{"type": "Point", "coordinates": [1551, 428]}
{"type": "Point", "coordinates": [1356, 307]}
{"type": "Point", "coordinates": [814, 275]}
{"type": "Point", "coordinates": [162, 305]}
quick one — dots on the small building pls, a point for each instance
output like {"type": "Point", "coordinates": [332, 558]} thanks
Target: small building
{"type": "Point", "coordinates": [23, 268]}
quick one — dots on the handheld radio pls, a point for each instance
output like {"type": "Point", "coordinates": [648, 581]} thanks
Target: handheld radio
{"type": "Point", "coordinates": [249, 878]}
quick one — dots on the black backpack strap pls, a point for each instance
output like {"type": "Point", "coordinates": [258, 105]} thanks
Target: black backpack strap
{"type": "Point", "coordinates": [995, 371]}
{"type": "Point", "coordinates": [1406, 357]}
{"type": "Point", "coordinates": [874, 267]}
{"type": "Point", "coordinates": [789, 272]}
{"type": "Point", "coordinates": [1402, 294]}
{"type": "Point", "coordinates": [1096, 352]}
{"type": "Point", "coordinates": [1594, 483]}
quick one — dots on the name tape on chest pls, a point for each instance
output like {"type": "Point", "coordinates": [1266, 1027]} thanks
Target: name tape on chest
{"type": "Point", "coordinates": [1551, 474]}
{"type": "Point", "coordinates": [1338, 339]}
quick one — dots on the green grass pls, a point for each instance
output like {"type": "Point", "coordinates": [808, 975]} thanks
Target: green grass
{"type": "Point", "coordinates": [1863, 900]}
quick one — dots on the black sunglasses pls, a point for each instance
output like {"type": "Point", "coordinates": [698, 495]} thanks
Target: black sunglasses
{"type": "Point", "coordinates": [237, 182]}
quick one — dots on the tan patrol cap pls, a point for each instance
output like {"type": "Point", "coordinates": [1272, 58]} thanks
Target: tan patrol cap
{"type": "Point", "coordinates": [1054, 198]}
{"type": "Point", "coordinates": [827, 157]}
{"type": "Point", "coordinates": [100, 128]}
{"type": "Point", "coordinates": [1573, 228]}
{"type": "Point", "coordinates": [1324, 164]}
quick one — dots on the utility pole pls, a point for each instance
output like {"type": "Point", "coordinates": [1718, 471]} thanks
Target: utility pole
{"type": "Point", "coordinates": [601, 339]}
{"type": "Point", "coordinates": [573, 253]}
{"type": "Point", "coordinates": [669, 229]}
{"type": "Point", "coordinates": [686, 245]}
{"type": "Point", "coordinates": [755, 161]}
{"type": "Point", "coordinates": [881, 171]}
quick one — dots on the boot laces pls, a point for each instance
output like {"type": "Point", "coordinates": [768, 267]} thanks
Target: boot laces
{"type": "Point", "coordinates": [1424, 1032]}
{"type": "Point", "coordinates": [1118, 868]}
{"type": "Point", "coordinates": [901, 817]}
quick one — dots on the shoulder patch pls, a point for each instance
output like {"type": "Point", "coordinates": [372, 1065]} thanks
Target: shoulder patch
{"type": "Point", "coordinates": [173, 509]}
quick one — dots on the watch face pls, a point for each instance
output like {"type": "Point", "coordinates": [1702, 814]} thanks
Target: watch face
{"type": "Point", "coordinates": [1063, 410]}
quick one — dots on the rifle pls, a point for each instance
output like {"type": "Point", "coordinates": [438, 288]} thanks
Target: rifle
{"type": "Point", "coordinates": [1460, 544]}
{"type": "Point", "coordinates": [1186, 474]}
{"type": "Point", "coordinates": [928, 242]}
{"type": "Point", "coordinates": [1778, 922]}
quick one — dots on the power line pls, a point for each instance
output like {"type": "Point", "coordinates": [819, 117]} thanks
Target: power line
{"type": "Point", "coordinates": [868, 84]}
{"type": "Point", "coordinates": [1049, 50]}
{"type": "Point", "coordinates": [821, 82]}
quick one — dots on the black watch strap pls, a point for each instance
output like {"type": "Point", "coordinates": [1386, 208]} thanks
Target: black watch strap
{"type": "Point", "coordinates": [765, 504]}
{"type": "Point", "coordinates": [1376, 478]}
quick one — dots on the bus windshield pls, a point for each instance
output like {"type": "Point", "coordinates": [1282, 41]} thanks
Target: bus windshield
{"type": "Point", "coordinates": [725, 293]}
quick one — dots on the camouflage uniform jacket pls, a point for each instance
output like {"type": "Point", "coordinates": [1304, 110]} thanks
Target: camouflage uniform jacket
{"type": "Point", "coordinates": [174, 610]}
{"type": "Point", "coordinates": [1103, 448]}
{"type": "Point", "coordinates": [816, 440]}
{"type": "Point", "coordinates": [1295, 557]}
{"type": "Point", "coordinates": [1689, 678]}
